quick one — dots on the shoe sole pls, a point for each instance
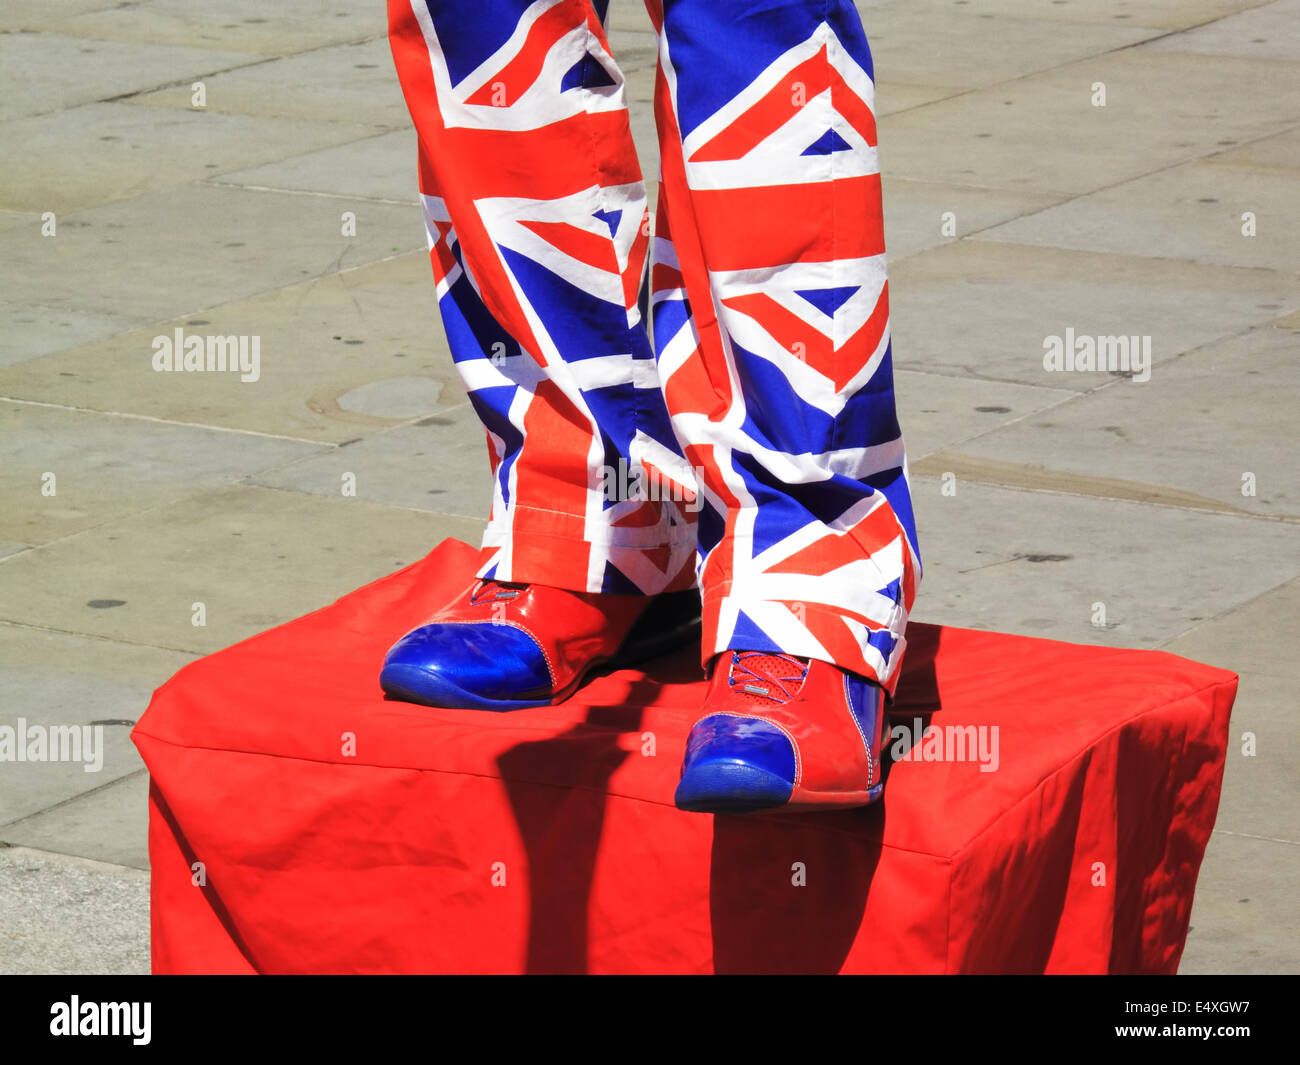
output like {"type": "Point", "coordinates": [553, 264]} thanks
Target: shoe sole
{"type": "Point", "coordinates": [730, 788]}
{"type": "Point", "coordinates": [649, 638]}
{"type": "Point", "coordinates": [737, 788]}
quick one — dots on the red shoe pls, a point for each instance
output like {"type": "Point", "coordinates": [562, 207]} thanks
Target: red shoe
{"type": "Point", "coordinates": [784, 731]}
{"type": "Point", "coordinates": [502, 646]}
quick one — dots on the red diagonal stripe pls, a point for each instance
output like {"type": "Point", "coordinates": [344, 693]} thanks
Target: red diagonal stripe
{"type": "Point", "coordinates": [802, 340]}
{"type": "Point", "coordinates": [873, 533]}
{"type": "Point", "coordinates": [769, 113]}
{"type": "Point", "coordinates": [518, 75]}
{"type": "Point", "coordinates": [590, 248]}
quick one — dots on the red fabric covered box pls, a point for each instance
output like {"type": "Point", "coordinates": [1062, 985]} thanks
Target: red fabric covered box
{"type": "Point", "coordinates": [340, 832]}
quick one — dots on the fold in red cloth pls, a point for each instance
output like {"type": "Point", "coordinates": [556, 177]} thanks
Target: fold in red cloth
{"type": "Point", "coordinates": [1051, 816]}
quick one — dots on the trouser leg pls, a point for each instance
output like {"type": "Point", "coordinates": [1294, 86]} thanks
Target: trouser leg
{"type": "Point", "coordinates": [535, 209]}
{"type": "Point", "coordinates": [771, 326]}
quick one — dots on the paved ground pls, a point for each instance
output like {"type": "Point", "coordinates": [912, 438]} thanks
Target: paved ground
{"type": "Point", "coordinates": [1174, 501]}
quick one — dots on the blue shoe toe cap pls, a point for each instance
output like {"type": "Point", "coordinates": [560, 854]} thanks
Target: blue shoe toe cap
{"type": "Point", "coordinates": [734, 765]}
{"type": "Point", "coordinates": [470, 666]}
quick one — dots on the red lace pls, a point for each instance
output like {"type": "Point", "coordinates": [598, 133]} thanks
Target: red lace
{"type": "Point", "coordinates": [765, 675]}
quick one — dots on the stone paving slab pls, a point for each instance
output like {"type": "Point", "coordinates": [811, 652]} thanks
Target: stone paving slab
{"type": "Point", "coordinates": [985, 308]}
{"type": "Point", "coordinates": [1035, 563]}
{"type": "Point", "coordinates": [1242, 639]}
{"type": "Point", "coordinates": [1163, 14]}
{"type": "Point", "coordinates": [69, 915]}
{"type": "Point", "coordinates": [253, 557]}
{"type": "Point", "coordinates": [439, 463]}
{"type": "Point", "coordinates": [102, 152]}
{"type": "Point", "coordinates": [1263, 760]}
{"type": "Point", "coordinates": [1158, 113]}
{"type": "Point", "coordinates": [1194, 426]}
{"type": "Point", "coordinates": [1280, 152]}
{"type": "Point", "coordinates": [105, 466]}
{"type": "Point", "coordinates": [382, 167]}
{"type": "Point", "coordinates": [1245, 899]}
{"type": "Point", "coordinates": [1262, 764]}
{"type": "Point", "coordinates": [1194, 211]}
{"type": "Point", "coordinates": [321, 341]}
{"type": "Point", "coordinates": [62, 679]}
{"type": "Point", "coordinates": [955, 51]}
{"type": "Point", "coordinates": [14, 219]}
{"type": "Point", "coordinates": [30, 15]}
{"type": "Point", "coordinates": [916, 212]}
{"type": "Point", "coordinates": [895, 96]}
{"type": "Point", "coordinates": [35, 327]}
{"type": "Point", "coordinates": [107, 825]}
{"type": "Point", "coordinates": [1266, 32]}
{"type": "Point", "coordinates": [287, 26]}
{"type": "Point", "coordinates": [42, 73]}
{"type": "Point", "coordinates": [938, 412]}
{"type": "Point", "coordinates": [196, 246]}
{"type": "Point", "coordinates": [352, 82]}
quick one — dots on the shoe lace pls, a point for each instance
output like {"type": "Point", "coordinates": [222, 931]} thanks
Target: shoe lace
{"type": "Point", "coordinates": [491, 591]}
{"type": "Point", "coordinates": [765, 675]}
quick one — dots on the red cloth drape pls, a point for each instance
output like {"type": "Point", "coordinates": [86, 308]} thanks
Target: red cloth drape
{"type": "Point", "coordinates": [340, 832]}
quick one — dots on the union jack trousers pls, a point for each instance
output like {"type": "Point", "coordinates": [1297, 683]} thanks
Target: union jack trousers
{"type": "Point", "coordinates": [704, 397]}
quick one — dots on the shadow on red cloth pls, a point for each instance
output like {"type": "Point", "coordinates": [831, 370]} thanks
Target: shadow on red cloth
{"type": "Point", "coordinates": [561, 826]}
{"type": "Point", "coordinates": [829, 873]}
{"type": "Point", "coordinates": [814, 924]}
{"type": "Point", "coordinates": [192, 861]}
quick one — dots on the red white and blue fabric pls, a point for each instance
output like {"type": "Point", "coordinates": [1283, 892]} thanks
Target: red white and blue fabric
{"type": "Point", "coordinates": [736, 345]}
